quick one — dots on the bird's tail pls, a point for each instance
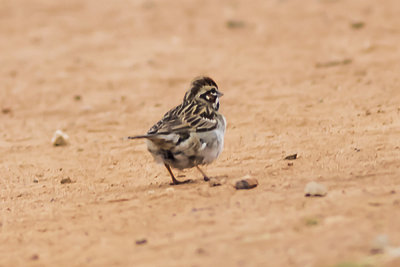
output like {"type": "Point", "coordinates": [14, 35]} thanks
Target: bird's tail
{"type": "Point", "coordinates": [137, 137]}
{"type": "Point", "coordinates": [165, 141]}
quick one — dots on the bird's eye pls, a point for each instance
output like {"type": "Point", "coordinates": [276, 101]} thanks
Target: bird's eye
{"type": "Point", "coordinates": [213, 91]}
{"type": "Point", "coordinates": [211, 96]}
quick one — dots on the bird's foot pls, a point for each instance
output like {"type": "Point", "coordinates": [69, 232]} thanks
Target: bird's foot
{"type": "Point", "coordinates": [176, 182]}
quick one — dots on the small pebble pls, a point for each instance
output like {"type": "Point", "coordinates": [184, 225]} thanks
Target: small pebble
{"type": "Point", "coordinates": [141, 241]}
{"type": "Point", "coordinates": [311, 221]}
{"type": "Point", "coordinates": [66, 180]}
{"type": "Point", "coordinates": [314, 189]}
{"type": "Point", "coordinates": [379, 244]}
{"type": "Point", "coordinates": [35, 181]}
{"type": "Point", "coordinates": [86, 109]}
{"type": "Point", "coordinates": [234, 24]}
{"type": "Point", "coordinates": [200, 251]}
{"type": "Point", "coordinates": [394, 252]}
{"type": "Point", "coordinates": [6, 110]}
{"type": "Point", "coordinates": [291, 157]}
{"type": "Point", "coordinates": [59, 138]}
{"type": "Point", "coordinates": [333, 63]}
{"type": "Point", "coordinates": [357, 25]}
{"type": "Point", "coordinates": [214, 182]}
{"type": "Point", "coordinates": [35, 257]}
{"type": "Point", "coordinates": [246, 183]}
{"type": "Point", "coordinates": [170, 190]}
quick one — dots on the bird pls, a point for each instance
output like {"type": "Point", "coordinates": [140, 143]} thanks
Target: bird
{"type": "Point", "coordinates": [190, 134]}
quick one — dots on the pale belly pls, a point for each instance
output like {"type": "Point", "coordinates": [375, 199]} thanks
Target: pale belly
{"type": "Point", "coordinates": [212, 145]}
{"type": "Point", "coordinates": [199, 149]}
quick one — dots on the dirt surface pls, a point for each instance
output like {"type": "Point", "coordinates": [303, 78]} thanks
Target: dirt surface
{"type": "Point", "coordinates": [316, 78]}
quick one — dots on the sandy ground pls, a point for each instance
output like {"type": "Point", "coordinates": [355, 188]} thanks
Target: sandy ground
{"type": "Point", "coordinates": [317, 78]}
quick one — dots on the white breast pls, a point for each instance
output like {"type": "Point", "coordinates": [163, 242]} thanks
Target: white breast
{"type": "Point", "coordinates": [213, 142]}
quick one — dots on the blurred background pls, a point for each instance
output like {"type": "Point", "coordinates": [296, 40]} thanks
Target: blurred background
{"type": "Point", "coordinates": [319, 78]}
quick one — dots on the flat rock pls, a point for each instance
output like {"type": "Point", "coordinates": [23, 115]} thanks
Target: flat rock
{"type": "Point", "coordinates": [66, 180]}
{"type": "Point", "coordinates": [248, 183]}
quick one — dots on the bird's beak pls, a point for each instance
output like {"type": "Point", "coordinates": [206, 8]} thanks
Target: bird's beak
{"type": "Point", "coordinates": [220, 94]}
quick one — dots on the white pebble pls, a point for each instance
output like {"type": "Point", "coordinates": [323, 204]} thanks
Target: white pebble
{"type": "Point", "coordinates": [169, 190]}
{"type": "Point", "coordinates": [379, 244]}
{"type": "Point", "coordinates": [247, 176]}
{"type": "Point", "coordinates": [59, 138]}
{"type": "Point", "coordinates": [86, 109]}
{"type": "Point", "coordinates": [394, 252]}
{"type": "Point", "coordinates": [314, 189]}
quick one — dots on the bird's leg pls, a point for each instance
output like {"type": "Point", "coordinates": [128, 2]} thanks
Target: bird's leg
{"type": "Point", "coordinates": [174, 181]}
{"type": "Point", "coordinates": [204, 175]}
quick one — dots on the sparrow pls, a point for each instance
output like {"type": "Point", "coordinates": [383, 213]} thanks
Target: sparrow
{"type": "Point", "coordinates": [190, 134]}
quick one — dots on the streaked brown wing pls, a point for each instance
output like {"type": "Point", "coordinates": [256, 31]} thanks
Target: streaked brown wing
{"type": "Point", "coordinates": [191, 117]}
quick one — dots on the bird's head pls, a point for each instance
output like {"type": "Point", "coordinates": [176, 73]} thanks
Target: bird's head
{"type": "Point", "coordinates": [205, 90]}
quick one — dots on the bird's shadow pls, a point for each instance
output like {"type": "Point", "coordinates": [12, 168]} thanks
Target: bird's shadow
{"type": "Point", "coordinates": [168, 184]}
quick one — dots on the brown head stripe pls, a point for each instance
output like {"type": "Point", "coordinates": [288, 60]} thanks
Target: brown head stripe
{"type": "Point", "coordinates": [197, 84]}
